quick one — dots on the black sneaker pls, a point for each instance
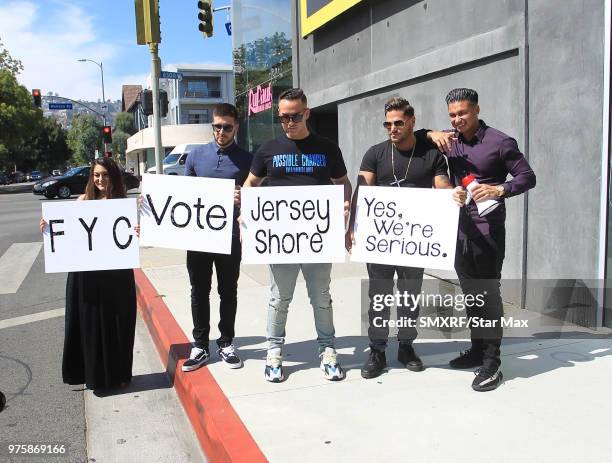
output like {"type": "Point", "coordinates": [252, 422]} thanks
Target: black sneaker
{"type": "Point", "coordinates": [229, 356]}
{"type": "Point", "coordinates": [374, 365]}
{"type": "Point", "coordinates": [197, 358]}
{"type": "Point", "coordinates": [408, 357]}
{"type": "Point", "coordinates": [467, 359]}
{"type": "Point", "coordinates": [486, 380]}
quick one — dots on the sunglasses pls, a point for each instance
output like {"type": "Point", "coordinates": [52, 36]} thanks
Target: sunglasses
{"type": "Point", "coordinates": [285, 118]}
{"type": "Point", "coordinates": [387, 125]}
{"type": "Point", "coordinates": [223, 127]}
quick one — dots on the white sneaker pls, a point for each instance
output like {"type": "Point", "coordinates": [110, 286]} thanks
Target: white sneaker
{"type": "Point", "coordinates": [197, 358]}
{"type": "Point", "coordinates": [274, 366]}
{"type": "Point", "coordinates": [330, 366]}
{"type": "Point", "coordinates": [229, 356]}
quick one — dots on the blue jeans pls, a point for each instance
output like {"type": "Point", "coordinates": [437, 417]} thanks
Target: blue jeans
{"type": "Point", "coordinates": [283, 278]}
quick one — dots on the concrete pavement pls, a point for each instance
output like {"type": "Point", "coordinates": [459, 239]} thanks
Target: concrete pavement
{"type": "Point", "coordinates": [553, 405]}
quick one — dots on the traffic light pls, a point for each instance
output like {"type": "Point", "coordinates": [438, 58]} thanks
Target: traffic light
{"type": "Point", "coordinates": [147, 21]}
{"type": "Point", "coordinates": [37, 98]}
{"type": "Point", "coordinates": [146, 101]}
{"type": "Point", "coordinates": [163, 103]}
{"type": "Point", "coordinates": [107, 134]}
{"type": "Point", "coordinates": [206, 17]}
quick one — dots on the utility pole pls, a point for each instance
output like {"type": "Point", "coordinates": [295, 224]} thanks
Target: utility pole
{"type": "Point", "coordinates": [148, 33]}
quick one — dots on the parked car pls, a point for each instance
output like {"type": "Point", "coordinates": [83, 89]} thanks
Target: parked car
{"type": "Point", "coordinates": [174, 162]}
{"type": "Point", "coordinates": [74, 182]}
{"type": "Point", "coordinates": [35, 175]}
{"type": "Point", "coordinates": [4, 180]}
{"type": "Point", "coordinates": [17, 177]}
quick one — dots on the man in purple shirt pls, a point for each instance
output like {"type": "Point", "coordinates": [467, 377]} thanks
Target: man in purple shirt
{"type": "Point", "coordinates": [489, 155]}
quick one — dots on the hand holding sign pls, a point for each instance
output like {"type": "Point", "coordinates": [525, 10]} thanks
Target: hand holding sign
{"type": "Point", "coordinates": [305, 226]}
{"type": "Point", "coordinates": [90, 235]}
{"type": "Point", "coordinates": [410, 227]}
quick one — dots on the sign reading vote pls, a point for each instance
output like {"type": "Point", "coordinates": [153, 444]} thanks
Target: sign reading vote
{"type": "Point", "coordinates": [90, 235]}
{"type": "Point", "coordinates": [193, 213]}
{"type": "Point", "coordinates": [410, 227]}
{"type": "Point", "coordinates": [293, 224]}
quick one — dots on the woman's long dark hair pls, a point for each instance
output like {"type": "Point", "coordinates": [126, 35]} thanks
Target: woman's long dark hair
{"type": "Point", "coordinates": [115, 189]}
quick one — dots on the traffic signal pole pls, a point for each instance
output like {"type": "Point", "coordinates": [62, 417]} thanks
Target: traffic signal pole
{"type": "Point", "coordinates": [155, 70]}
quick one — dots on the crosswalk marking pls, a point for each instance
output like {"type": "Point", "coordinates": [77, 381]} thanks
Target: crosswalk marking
{"type": "Point", "coordinates": [35, 317]}
{"type": "Point", "coordinates": [15, 264]}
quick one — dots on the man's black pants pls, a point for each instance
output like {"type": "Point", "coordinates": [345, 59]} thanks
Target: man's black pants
{"type": "Point", "coordinates": [200, 268]}
{"type": "Point", "coordinates": [478, 263]}
{"type": "Point", "coordinates": [409, 281]}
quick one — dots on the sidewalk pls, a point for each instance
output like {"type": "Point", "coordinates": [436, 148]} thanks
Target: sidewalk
{"type": "Point", "coordinates": [554, 404]}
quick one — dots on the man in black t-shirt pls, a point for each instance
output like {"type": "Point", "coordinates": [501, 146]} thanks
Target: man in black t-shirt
{"type": "Point", "coordinates": [402, 161]}
{"type": "Point", "coordinates": [299, 157]}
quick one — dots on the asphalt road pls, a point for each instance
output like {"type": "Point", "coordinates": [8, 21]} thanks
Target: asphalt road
{"type": "Point", "coordinates": [40, 409]}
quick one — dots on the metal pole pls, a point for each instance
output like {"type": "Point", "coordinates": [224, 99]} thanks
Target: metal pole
{"type": "Point", "coordinates": [103, 104]}
{"type": "Point", "coordinates": [155, 67]}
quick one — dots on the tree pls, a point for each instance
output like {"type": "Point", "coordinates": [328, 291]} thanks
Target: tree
{"type": "Point", "coordinates": [51, 146]}
{"type": "Point", "coordinates": [20, 122]}
{"type": "Point", "coordinates": [119, 145]}
{"type": "Point", "coordinates": [84, 138]}
{"type": "Point", "coordinates": [8, 63]}
{"type": "Point", "coordinates": [124, 122]}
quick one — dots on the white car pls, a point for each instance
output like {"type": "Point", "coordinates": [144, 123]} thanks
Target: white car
{"type": "Point", "coordinates": [174, 162]}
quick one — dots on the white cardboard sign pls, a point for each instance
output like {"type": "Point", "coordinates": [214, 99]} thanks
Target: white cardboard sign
{"type": "Point", "coordinates": [292, 224]}
{"type": "Point", "coordinates": [90, 235]}
{"type": "Point", "coordinates": [192, 213]}
{"type": "Point", "coordinates": [409, 227]}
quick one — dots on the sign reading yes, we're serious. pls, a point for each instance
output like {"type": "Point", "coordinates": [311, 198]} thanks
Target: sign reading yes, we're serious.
{"type": "Point", "coordinates": [90, 235]}
{"type": "Point", "coordinates": [409, 227]}
{"type": "Point", "coordinates": [292, 224]}
{"type": "Point", "coordinates": [192, 213]}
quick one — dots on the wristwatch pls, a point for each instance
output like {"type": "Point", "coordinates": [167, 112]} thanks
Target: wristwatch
{"type": "Point", "coordinates": [500, 190]}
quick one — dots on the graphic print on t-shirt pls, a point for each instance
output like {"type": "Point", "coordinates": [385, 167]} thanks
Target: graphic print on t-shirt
{"type": "Point", "coordinates": [299, 163]}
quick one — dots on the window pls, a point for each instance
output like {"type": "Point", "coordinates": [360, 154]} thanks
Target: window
{"type": "Point", "coordinates": [198, 116]}
{"type": "Point", "coordinates": [202, 88]}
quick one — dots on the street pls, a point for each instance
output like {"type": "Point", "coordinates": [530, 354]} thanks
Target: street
{"type": "Point", "coordinates": [40, 409]}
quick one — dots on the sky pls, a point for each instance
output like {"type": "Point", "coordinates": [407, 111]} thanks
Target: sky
{"type": "Point", "coordinates": [48, 36]}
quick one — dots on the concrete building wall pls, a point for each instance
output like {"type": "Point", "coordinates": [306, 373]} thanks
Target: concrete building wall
{"type": "Point", "coordinates": [538, 69]}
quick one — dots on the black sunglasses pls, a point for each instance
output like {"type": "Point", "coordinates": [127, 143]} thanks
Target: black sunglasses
{"type": "Point", "coordinates": [225, 127]}
{"type": "Point", "coordinates": [285, 118]}
{"type": "Point", "coordinates": [388, 125]}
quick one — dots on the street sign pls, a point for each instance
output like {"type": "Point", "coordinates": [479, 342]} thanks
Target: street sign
{"type": "Point", "coordinates": [228, 28]}
{"type": "Point", "coordinates": [60, 106]}
{"type": "Point", "coordinates": [171, 75]}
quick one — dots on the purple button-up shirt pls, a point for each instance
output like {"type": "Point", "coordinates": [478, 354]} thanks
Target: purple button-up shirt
{"type": "Point", "coordinates": [490, 155]}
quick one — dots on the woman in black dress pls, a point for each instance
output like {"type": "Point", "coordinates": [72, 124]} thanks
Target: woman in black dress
{"type": "Point", "coordinates": [100, 306]}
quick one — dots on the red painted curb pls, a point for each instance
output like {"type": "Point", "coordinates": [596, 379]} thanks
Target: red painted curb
{"type": "Point", "coordinates": [221, 432]}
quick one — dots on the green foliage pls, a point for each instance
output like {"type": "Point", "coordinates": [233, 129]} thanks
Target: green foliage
{"type": "Point", "coordinates": [8, 63]}
{"type": "Point", "coordinates": [84, 138]}
{"type": "Point", "coordinates": [124, 122]}
{"type": "Point", "coordinates": [119, 145]}
{"type": "Point", "coordinates": [51, 147]}
{"type": "Point", "coordinates": [20, 122]}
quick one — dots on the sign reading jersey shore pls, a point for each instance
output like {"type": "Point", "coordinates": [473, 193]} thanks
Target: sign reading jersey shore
{"type": "Point", "coordinates": [315, 13]}
{"type": "Point", "coordinates": [292, 224]}
{"type": "Point", "coordinates": [193, 213]}
{"type": "Point", "coordinates": [90, 235]}
{"type": "Point", "coordinates": [410, 227]}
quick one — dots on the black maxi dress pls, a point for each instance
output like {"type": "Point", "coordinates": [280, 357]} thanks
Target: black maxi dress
{"type": "Point", "coordinates": [100, 326]}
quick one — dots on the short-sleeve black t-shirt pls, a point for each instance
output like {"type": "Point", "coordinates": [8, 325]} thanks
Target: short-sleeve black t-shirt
{"type": "Point", "coordinates": [426, 164]}
{"type": "Point", "coordinates": [314, 160]}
